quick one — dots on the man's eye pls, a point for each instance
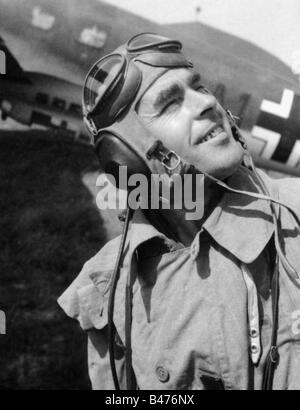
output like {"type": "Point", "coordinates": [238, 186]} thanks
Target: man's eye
{"type": "Point", "coordinates": [201, 88]}
{"type": "Point", "coordinates": [171, 105]}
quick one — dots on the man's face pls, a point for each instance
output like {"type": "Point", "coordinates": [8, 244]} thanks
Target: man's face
{"type": "Point", "coordinates": [177, 110]}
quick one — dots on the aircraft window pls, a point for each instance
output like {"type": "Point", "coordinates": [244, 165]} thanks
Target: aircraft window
{"type": "Point", "coordinates": [42, 20]}
{"type": "Point", "coordinates": [93, 37]}
{"type": "Point", "coordinates": [75, 108]}
{"type": "Point", "coordinates": [42, 98]}
{"type": "Point", "coordinates": [40, 118]}
{"type": "Point", "coordinates": [59, 103]}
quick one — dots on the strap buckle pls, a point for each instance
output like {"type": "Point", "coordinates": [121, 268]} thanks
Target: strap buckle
{"type": "Point", "coordinates": [167, 157]}
{"type": "Point", "coordinates": [158, 151]}
{"type": "Point", "coordinates": [91, 126]}
{"type": "Point", "coordinates": [232, 117]}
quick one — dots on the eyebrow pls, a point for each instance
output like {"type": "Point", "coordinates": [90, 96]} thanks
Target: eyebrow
{"type": "Point", "coordinates": [172, 91]}
{"type": "Point", "coordinates": [166, 94]}
{"type": "Point", "coordinates": [194, 78]}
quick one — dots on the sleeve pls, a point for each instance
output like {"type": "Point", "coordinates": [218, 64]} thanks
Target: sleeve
{"type": "Point", "coordinates": [87, 302]}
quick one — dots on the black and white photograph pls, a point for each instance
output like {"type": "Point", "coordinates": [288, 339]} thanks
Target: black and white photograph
{"type": "Point", "coordinates": [150, 197]}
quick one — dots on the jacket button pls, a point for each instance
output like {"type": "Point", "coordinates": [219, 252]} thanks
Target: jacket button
{"type": "Point", "coordinates": [162, 374]}
{"type": "Point", "coordinates": [254, 348]}
{"type": "Point", "coordinates": [253, 333]}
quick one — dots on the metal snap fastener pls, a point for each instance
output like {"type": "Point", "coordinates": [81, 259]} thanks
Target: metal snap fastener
{"type": "Point", "coordinates": [162, 374]}
{"type": "Point", "coordinates": [253, 333]}
{"type": "Point", "coordinates": [254, 348]}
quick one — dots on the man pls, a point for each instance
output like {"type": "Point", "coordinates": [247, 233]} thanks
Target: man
{"type": "Point", "coordinates": [210, 303]}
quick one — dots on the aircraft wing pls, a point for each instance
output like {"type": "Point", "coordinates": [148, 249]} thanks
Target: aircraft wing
{"type": "Point", "coordinates": [13, 69]}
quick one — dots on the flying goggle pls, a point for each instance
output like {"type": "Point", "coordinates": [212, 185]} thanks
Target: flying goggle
{"type": "Point", "coordinates": [114, 81]}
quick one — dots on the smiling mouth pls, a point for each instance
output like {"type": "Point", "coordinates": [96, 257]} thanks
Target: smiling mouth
{"type": "Point", "coordinates": [212, 134]}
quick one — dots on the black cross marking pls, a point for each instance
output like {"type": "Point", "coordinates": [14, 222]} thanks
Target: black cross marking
{"type": "Point", "coordinates": [288, 128]}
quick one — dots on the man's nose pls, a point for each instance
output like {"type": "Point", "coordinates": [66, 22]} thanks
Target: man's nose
{"type": "Point", "coordinates": [200, 102]}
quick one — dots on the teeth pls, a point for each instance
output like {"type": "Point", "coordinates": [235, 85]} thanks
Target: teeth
{"type": "Point", "coordinates": [212, 134]}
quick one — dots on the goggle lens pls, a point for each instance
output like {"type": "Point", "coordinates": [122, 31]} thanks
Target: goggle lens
{"type": "Point", "coordinates": [101, 80]}
{"type": "Point", "coordinates": [116, 74]}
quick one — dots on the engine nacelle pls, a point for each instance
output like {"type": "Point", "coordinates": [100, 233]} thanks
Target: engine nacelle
{"type": "Point", "coordinates": [16, 110]}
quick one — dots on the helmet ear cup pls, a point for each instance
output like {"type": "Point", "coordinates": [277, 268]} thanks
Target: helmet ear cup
{"type": "Point", "coordinates": [113, 152]}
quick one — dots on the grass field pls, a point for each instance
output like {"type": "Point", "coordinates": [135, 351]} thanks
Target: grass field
{"type": "Point", "coordinates": [49, 226]}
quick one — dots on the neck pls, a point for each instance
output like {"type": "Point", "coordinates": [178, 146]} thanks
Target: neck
{"type": "Point", "coordinates": [178, 219]}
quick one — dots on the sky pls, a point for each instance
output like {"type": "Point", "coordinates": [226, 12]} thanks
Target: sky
{"type": "Point", "coordinates": [271, 24]}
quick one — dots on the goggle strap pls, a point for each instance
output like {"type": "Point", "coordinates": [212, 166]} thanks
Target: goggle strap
{"type": "Point", "coordinates": [157, 42]}
{"type": "Point", "coordinates": [158, 59]}
{"type": "Point", "coordinates": [90, 125]}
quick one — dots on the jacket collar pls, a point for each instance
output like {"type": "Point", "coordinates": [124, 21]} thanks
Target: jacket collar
{"type": "Point", "coordinates": [240, 224]}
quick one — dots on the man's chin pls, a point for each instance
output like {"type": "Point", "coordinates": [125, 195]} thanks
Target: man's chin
{"type": "Point", "coordinates": [226, 171]}
{"type": "Point", "coordinates": [224, 164]}
{"type": "Point", "coordinates": [232, 165]}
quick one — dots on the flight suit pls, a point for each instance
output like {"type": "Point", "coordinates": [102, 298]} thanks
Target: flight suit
{"type": "Point", "coordinates": [202, 315]}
